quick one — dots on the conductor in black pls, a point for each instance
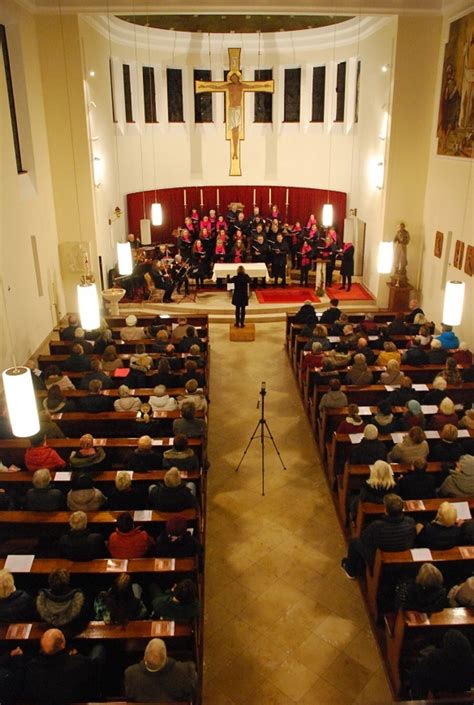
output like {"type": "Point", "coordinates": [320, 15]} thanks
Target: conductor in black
{"type": "Point", "coordinates": [240, 297]}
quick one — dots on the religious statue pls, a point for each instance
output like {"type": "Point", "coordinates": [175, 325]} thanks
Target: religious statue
{"type": "Point", "coordinates": [234, 88]}
{"type": "Point", "coordinates": [400, 261]}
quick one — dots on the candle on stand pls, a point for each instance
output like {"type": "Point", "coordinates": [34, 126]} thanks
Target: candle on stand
{"type": "Point", "coordinates": [287, 193]}
{"type": "Point", "coordinates": [184, 198]}
{"type": "Point", "coordinates": [254, 196]}
{"type": "Point", "coordinates": [269, 196]}
{"type": "Point", "coordinates": [217, 199]}
{"type": "Point", "coordinates": [202, 200]}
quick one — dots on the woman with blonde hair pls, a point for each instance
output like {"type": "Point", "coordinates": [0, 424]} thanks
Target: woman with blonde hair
{"type": "Point", "coordinates": [448, 449]}
{"type": "Point", "coordinates": [392, 376]}
{"type": "Point", "coordinates": [426, 593]}
{"type": "Point", "coordinates": [124, 495]}
{"type": "Point", "coordinates": [388, 353]}
{"type": "Point", "coordinates": [446, 414]}
{"type": "Point", "coordinates": [380, 482]}
{"type": "Point", "coordinates": [442, 533]}
{"type": "Point", "coordinates": [413, 447]}
{"type": "Point", "coordinates": [15, 605]}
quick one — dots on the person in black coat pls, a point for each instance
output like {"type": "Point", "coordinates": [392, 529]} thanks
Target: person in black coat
{"type": "Point", "coordinates": [306, 314]}
{"type": "Point", "coordinates": [240, 297]}
{"type": "Point", "coordinates": [95, 402]}
{"type": "Point", "coordinates": [15, 605]}
{"type": "Point", "coordinates": [347, 265]}
{"type": "Point", "coordinates": [448, 449]}
{"type": "Point", "coordinates": [176, 541]}
{"type": "Point", "coordinates": [442, 533]}
{"type": "Point", "coordinates": [417, 483]}
{"type": "Point", "coordinates": [279, 256]}
{"type": "Point", "coordinates": [79, 544]}
{"type": "Point", "coordinates": [370, 449]}
{"type": "Point", "coordinates": [331, 314]}
{"type": "Point", "coordinates": [448, 668]}
{"type": "Point", "coordinates": [42, 497]}
{"type": "Point", "coordinates": [172, 496]}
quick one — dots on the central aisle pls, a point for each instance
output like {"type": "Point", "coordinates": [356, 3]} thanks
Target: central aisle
{"type": "Point", "coordinates": [283, 624]}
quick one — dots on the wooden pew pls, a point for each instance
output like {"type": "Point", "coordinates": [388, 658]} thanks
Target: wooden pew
{"type": "Point", "coordinates": [404, 559]}
{"type": "Point", "coordinates": [423, 510]}
{"type": "Point", "coordinates": [44, 566]}
{"type": "Point", "coordinates": [101, 518]}
{"type": "Point", "coordinates": [107, 476]}
{"type": "Point", "coordinates": [138, 629]}
{"type": "Point", "coordinates": [353, 477]}
{"type": "Point", "coordinates": [144, 392]}
{"type": "Point", "coordinates": [45, 361]}
{"type": "Point", "coordinates": [63, 347]}
{"type": "Point", "coordinates": [406, 626]}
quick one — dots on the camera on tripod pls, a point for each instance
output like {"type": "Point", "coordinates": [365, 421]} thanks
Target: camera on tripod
{"type": "Point", "coordinates": [263, 389]}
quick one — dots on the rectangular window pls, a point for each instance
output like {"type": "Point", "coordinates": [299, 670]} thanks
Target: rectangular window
{"type": "Point", "coordinates": [127, 92]}
{"type": "Point", "coordinates": [340, 91]}
{"type": "Point", "coordinates": [34, 248]}
{"type": "Point", "coordinates": [319, 93]}
{"type": "Point", "coordinates": [149, 94]}
{"type": "Point", "coordinates": [263, 101]}
{"type": "Point", "coordinates": [357, 94]}
{"type": "Point", "coordinates": [174, 87]}
{"type": "Point", "coordinates": [11, 100]}
{"type": "Point", "coordinates": [112, 92]}
{"type": "Point", "coordinates": [202, 101]}
{"type": "Point", "coordinates": [291, 112]}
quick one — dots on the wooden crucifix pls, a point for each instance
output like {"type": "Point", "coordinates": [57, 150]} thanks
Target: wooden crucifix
{"type": "Point", "coordinates": [234, 88]}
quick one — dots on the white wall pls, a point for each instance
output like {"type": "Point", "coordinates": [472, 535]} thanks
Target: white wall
{"type": "Point", "coordinates": [26, 201]}
{"type": "Point", "coordinates": [166, 155]}
{"type": "Point", "coordinates": [449, 208]}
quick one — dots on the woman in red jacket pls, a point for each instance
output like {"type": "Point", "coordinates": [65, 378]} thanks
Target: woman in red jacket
{"type": "Point", "coordinates": [128, 540]}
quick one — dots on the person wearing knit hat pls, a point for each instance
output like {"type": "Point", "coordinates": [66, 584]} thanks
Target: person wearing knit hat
{"type": "Point", "coordinates": [131, 331]}
{"type": "Point", "coordinates": [370, 449]}
{"type": "Point", "coordinates": [413, 416]}
{"type": "Point", "coordinates": [174, 495]}
{"type": "Point", "coordinates": [176, 541]}
{"type": "Point", "coordinates": [446, 414]}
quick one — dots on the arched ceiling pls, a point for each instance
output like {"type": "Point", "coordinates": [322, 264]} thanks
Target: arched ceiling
{"type": "Point", "coordinates": [240, 24]}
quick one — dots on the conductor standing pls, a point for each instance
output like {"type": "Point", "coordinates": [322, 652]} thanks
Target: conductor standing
{"type": "Point", "coordinates": [240, 297]}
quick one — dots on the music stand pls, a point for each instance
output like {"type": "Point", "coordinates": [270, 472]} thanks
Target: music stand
{"type": "Point", "coordinates": [192, 292]}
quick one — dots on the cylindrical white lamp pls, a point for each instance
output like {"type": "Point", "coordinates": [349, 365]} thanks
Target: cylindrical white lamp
{"type": "Point", "coordinates": [145, 231]}
{"type": "Point", "coordinates": [453, 303]}
{"type": "Point", "coordinates": [156, 214]}
{"type": "Point", "coordinates": [21, 401]}
{"type": "Point", "coordinates": [124, 256]}
{"type": "Point", "coordinates": [328, 215]}
{"type": "Point", "coordinates": [88, 302]}
{"type": "Point", "coordinates": [385, 258]}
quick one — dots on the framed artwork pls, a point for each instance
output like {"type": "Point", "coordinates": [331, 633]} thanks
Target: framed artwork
{"type": "Point", "coordinates": [458, 254]}
{"type": "Point", "coordinates": [438, 246]}
{"type": "Point", "coordinates": [456, 102]}
{"type": "Point", "coordinates": [469, 263]}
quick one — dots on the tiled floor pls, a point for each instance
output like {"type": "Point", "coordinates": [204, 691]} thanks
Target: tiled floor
{"type": "Point", "coordinates": [283, 624]}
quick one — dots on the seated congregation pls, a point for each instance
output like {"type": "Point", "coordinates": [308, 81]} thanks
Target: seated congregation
{"type": "Point", "coordinates": [102, 528]}
{"type": "Point", "coordinates": [391, 405]}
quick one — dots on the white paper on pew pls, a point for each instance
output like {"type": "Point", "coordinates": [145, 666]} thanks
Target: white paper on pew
{"type": "Point", "coordinates": [373, 337]}
{"type": "Point", "coordinates": [397, 437]}
{"type": "Point", "coordinates": [18, 631]}
{"type": "Point", "coordinates": [191, 530]}
{"type": "Point", "coordinates": [429, 408]}
{"type": "Point", "coordinates": [421, 554]}
{"type": "Point", "coordinates": [392, 387]}
{"type": "Point", "coordinates": [420, 387]}
{"type": "Point", "coordinates": [365, 411]}
{"type": "Point", "coordinates": [117, 565]}
{"type": "Point", "coordinates": [19, 564]}
{"type": "Point", "coordinates": [356, 437]}
{"type": "Point", "coordinates": [62, 476]}
{"type": "Point", "coordinates": [432, 434]}
{"type": "Point", "coordinates": [463, 433]}
{"type": "Point", "coordinates": [157, 442]}
{"type": "Point", "coordinates": [334, 339]}
{"type": "Point", "coordinates": [462, 509]}
{"type": "Point", "coordinates": [162, 629]}
{"type": "Point", "coordinates": [143, 515]}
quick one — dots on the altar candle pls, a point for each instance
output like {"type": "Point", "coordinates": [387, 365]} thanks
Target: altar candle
{"type": "Point", "coordinates": [184, 197]}
{"type": "Point", "coordinates": [254, 196]}
{"type": "Point", "coordinates": [286, 202]}
{"type": "Point", "coordinates": [217, 200]}
{"type": "Point", "coordinates": [202, 201]}
{"type": "Point", "coordinates": [269, 195]}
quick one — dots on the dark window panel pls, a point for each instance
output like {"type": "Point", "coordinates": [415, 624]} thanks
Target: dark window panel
{"type": "Point", "coordinates": [11, 100]}
{"type": "Point", "coordinates": [263, 101]}
{"type": "Point", "coordinates": [149, 93]}
{"type": "Point", "coordinates": [202, 101]}
{"type": "Point", "coordinates": [127, 91]}
{"type": "Point", "coordinates": [319, 94]}
{"type": "Point", "coordinates": [340, 91]}
{"type": "Point", "coordinates": [174, 85]}
{"type": "Point", "coordinates": [357, 95]}
{"type": "Point", "coordinates": [112, 92]}
{"type": "Point", "coordinates": [291, 111]}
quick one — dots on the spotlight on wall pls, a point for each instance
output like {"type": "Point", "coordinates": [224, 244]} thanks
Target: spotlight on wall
{"type": "Point", "coordinates": [21, 401]}
{"type": "Point", "coordinates": [453, 303]}
{"type": "Point", "coordinates": [385, 258]}
{"type": "Point", "coordinates": [328, 215]}
{"type": "Point", "coordinates": [92, 73]}
{"type": "Point", "coordinates": [98, 169]}
{"type": "Point", "coordinates": [384, 127]}
{"type": "Point", "coordinates": [384, 68]}
{"type": "Point", "coordinates": [379, 175]}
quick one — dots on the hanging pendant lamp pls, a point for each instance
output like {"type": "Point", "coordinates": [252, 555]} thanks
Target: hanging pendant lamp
{"type": "Point", "coordinates": [21, 401]}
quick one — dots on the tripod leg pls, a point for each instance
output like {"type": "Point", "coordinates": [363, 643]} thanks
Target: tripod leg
{"type": "Point", "coordinates": [252, 438]}
{"type": "Point", "coordinates": [262, 451]}
{"type": "Point", "coordinates": [274, 444]}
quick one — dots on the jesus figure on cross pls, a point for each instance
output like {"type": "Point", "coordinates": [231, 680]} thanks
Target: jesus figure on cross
{"type": "Point", "coordinates": [234, 88]}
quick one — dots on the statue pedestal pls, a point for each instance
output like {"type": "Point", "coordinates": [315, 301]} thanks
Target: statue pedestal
{"type": "Point", "coordinates": [399, 295]}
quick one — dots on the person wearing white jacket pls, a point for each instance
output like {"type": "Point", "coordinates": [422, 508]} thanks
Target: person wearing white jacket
{"type": "Point", "coordinates": [161, 401]}
{"type": "Point", "coordinates": [126, 402]}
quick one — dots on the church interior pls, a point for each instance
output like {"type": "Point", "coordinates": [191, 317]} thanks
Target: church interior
{"type": "Point", "coordinates": [336, 140]}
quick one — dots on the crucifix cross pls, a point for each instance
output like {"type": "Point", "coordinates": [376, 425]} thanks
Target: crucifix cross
{"type": "Point", "coordinates": [234, 88]}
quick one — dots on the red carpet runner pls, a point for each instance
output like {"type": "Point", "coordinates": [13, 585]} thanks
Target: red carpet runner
{"type": "Point", "coordinates": [357, 293]}
{"type": "Point", "coordinates": [290, 295]}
